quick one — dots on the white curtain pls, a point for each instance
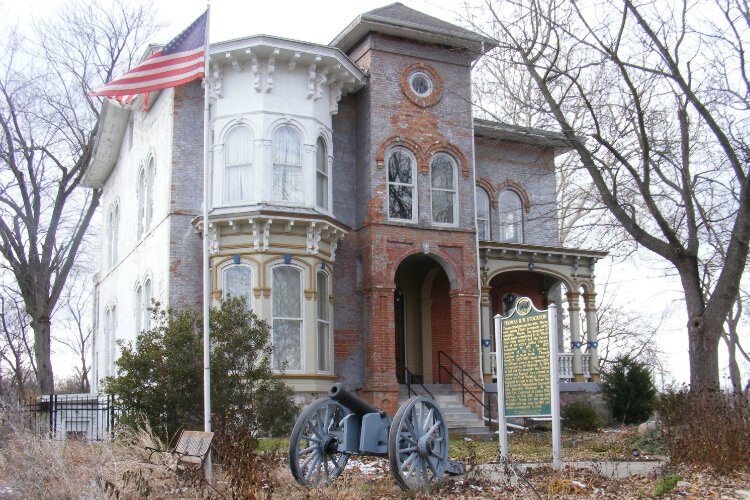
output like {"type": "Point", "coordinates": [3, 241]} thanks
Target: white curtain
{"type": "Point", "coordinates": [238, 161]}
{"type": "Point", "coordinates": [287, 318]}
{"type": "Point", "coordinates": [287, 165]}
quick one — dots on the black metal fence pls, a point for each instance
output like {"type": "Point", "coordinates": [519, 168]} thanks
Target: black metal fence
{"type": "Point", "coordinates": [71, 416]}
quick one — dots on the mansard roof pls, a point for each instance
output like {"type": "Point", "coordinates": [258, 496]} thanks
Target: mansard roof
{"type": "Point", "coordinates": [400, 20]}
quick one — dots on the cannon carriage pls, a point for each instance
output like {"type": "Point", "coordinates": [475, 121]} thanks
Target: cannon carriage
{"type": "Point", "coordinates": [332, 429]}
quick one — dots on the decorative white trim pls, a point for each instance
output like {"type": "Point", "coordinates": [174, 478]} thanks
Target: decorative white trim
{"type": "Point", "coordinates": [293, 61]}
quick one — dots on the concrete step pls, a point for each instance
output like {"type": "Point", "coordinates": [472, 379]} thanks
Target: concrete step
{"type": "Point", "coordinates": [458, 418]}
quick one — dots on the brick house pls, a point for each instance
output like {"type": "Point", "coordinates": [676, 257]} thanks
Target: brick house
{"type": "Point", "coordinates": [355, 203]}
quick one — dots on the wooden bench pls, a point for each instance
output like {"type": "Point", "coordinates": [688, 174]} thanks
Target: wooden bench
{"type": "Point", "coordinates": [191, 451]}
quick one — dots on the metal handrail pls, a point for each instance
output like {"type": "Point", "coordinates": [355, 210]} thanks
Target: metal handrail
{"type": "Point", "coordinates": [464, 390]}
{"type": "Point", "coordinates": [408, 378]}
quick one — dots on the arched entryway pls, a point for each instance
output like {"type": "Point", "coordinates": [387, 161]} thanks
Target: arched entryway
{"type": "Point", "coordinates": [422, 319]}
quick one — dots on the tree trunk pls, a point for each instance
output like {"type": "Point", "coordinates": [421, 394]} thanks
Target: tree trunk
{"type": "Point", "coordinates": [41, 326]}
{"type": "Point", "coordinates": [704, 353]}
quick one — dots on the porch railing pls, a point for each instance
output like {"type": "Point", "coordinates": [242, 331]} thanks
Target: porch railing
{"type": "Point", "coordinates": [565, 362]}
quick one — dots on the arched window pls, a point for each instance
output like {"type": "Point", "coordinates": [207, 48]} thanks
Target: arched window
{"type": "Point", "coordinates": [286, 306]}
{"type": "Point", "coordinates": [511, 217]}
{"type": "Point", "coordinates": [324, 324]}
{"type": "Point", "coordinates": [443, 189]}
{"type": "Point", "coordinates": [401, 185]}
{"type": "Point", "coordinates": [238, 163]}
{"type": "Point", "coordinates": [142, 303]}
{"type": "Point", "coordinates": [110, 335]}
{"type": "Point", "coordinates": [113, 220]}
{"type": "Point", "coordinates": [287, 165]}
{"type": "Point", "coordinates": [145, 197]}
{"type": "Point", "coordinates": [483, 214]}
{"type": "Point", "coordinates": [321, 166]}
{"type": "Point", "coordinates": [237, 283]}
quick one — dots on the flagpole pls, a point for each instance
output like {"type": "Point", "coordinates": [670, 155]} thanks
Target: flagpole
{"type": "Point", "coordinates": [206, 270]}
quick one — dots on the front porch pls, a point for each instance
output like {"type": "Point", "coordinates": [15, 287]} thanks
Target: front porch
{"type": "Point", "coordinates": [545, 275]}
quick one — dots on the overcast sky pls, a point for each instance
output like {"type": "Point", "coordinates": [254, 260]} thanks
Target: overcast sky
{"type": "Point", "coordinates": [638, 284]}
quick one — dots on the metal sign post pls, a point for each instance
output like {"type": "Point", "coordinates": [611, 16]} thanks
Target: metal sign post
{"type": "Point", "coordinates": [502, 428]}
{"type": "Point", "coordinates": [554, 364]}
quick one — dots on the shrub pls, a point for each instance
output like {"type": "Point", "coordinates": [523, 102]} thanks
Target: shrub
{"type": "Point", "coordinates": [666, 484]}
{"type": "Point", "coordinates": [580, 416]}
{"type": "Point", "coordinates": [706, 428]}
{"type": "Point", "coordinates": [629, 390]}
{"type": "Point", "coordinates": [161, 377]}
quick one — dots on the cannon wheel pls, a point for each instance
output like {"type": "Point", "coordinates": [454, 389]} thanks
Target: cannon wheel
{"type": "Point", "coordinates": [313, 456]}
{"type": "Point", "coordinates": [418, 444]}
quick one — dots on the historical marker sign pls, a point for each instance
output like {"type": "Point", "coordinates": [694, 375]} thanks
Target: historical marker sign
{"type": "Point", "coordinates": [527, 369]}
{"type": "Point", "coordinates": [526, 362]}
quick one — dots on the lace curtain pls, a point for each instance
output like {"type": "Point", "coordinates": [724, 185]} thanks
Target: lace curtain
{"type": "Point", "coordinates": [287, 318]}
{"type": "Point", "coordinates": [237, 283]}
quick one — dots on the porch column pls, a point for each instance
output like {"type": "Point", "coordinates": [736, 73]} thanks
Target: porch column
{"type": "Point", "coordinates": [575, 334]}
{"type": "Point", "coordinates": [486, 334]}
{"type": "Point", "coordinates": [380, 386]}
{"type": "Point", "coordinates": [592, 333]}
{"type": "Point", "coordinates": [464, 331]}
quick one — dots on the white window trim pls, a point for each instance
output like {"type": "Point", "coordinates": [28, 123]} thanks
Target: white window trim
{"type": "Point", "coordinates": [415, 197]}
{"type": "Point", "coordinates": [329, 322]}
{"type": "Point", "coordinates": [454, 166]}
{"type": "Point", "coordinates": [301, 319]}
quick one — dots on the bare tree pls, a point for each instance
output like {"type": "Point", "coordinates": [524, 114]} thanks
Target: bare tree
{"type": "Point", "coordinates": [16, 347]}
{"type": "Point", "coordinates": [661, 101]}
{"type": "Point", "coordinates": [47, 128]}
{"type": "Point", "coordinates": [76, 308]}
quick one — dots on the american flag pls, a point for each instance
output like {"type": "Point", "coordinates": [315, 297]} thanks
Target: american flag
{"type": "Point", "coordinates": [180, 61]}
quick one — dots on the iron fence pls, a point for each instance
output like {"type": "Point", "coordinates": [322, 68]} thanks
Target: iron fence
{"type": "Point", "coordinates": [71, 416]}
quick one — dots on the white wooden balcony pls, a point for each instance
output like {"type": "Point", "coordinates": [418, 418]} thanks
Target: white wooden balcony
{"type": "Point", "coordinates": [566, 366]}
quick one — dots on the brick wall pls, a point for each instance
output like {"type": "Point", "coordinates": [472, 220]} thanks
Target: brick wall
{"type": "Point", "coordinates": [185, 246]}
{"type": "Point", "coordinates": [441, 323]}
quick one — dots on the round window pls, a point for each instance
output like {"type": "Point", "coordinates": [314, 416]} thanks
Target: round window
{"type": "Point", "coordinates": [421, 84]}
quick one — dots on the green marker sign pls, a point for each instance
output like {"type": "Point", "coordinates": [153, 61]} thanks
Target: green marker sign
{"type": "Point", "coordinates": [526, 361]}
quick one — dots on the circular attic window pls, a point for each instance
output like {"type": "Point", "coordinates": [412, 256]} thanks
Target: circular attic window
{"type": "Point", "coordinates": [421, 84]}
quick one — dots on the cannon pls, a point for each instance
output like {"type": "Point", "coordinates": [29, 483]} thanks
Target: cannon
{"type": "Point", "coordinates": [332, 429]}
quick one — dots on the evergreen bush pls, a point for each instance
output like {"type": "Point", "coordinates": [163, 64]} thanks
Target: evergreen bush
{"type": "Point", "coordinates": [580, 416]}
{"type": "Point", "coordinates": [160, 378]}
{"type": "Point", "coordinates": [629, 390]}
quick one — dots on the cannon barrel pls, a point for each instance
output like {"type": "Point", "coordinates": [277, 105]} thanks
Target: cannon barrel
{"type": "Point", "coordinates": [350, 400]}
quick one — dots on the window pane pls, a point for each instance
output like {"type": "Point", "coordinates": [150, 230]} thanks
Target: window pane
{"type": "Point", "coordinates": [322, 194]}
{"type": "Point", "coordinates": [324, 363]}
{"type": "Point", "coordinates": [321, 157]}
{"type": "Point", "coordinates": [511, 217]}
{"type": "Point", "coordinates": [287, 146]}
{"type": "Point", "coordinates": [237, 283]}
{"type": "Point", "coordinates": [237, 183]}
{"type": "Point", "coordinates": [400, 167]}
{"type": "Point", "coordinates": [400, 201]}
{"type": "Point", "coordinates": [442, 172]}
{"type": "Point", "coordinates": [287, 183]}
{"type": "Point", "coordinates": [146, 304]}
{"type": "Point", "coordinates": [323, 303]}
{"type": "Point", "coordinates": [287, 348]}
{"type": "Point", "coordinates": [483, 214]}
{"type": "Point", "coordinates": [138, 309]}
{"type": "Point", "coordinates": [442, 206]}
{"type": "Point", "coordinates": [141, 203]}
{"type": "Point", "coordinates": [286, 292]}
